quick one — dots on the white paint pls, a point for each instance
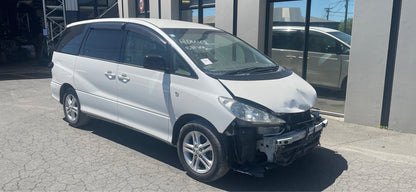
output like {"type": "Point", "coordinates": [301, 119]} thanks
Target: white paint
{"type": "Point", "coordinates": [291, 94]}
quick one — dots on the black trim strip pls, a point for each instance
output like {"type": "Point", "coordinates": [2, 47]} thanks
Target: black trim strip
{"type": "Point", "coordinates": [146, 9]}
{"type": "Point", "coordinates": [235, 14]}
{"type": "Point", "coordinates": [267, 27]}
{"type": "Point", "coordinates": [391, 62]}
{"type": "Point", "coordinates": [306, 48]}
{"type": "Point", "coordinates": [159, 9]}
{"type": "Point", "coordinates": [228, 90]}
{"type": "Point", "coordinates": [180, 10]}
{"type": "Point", "coordinates": [200, 12]}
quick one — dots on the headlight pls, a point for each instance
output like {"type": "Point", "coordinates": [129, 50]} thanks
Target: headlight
{"type": "Point", "coordinates": [248, 113]}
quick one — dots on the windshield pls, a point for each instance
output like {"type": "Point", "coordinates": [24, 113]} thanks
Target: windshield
{"type": "Point", "coordinates": [219, 53]}
{"type": "Point", "coordinates": [343, 36]}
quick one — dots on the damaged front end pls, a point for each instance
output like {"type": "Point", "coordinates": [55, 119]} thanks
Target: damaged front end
{"type": "Point", "coordinates": [258, 147]}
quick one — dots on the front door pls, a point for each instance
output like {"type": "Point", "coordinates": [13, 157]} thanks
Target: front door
{"type": "Point", "coordinates": [142, 93]}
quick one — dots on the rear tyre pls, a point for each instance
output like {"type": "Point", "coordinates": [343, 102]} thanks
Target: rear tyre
{"type": "Point", "coordinates": [72, 109]}
{"type": "Point", "coordinates": [202, 153]}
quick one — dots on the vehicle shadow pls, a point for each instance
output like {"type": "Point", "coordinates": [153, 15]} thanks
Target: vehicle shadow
{"type": "Point", "coordinates": [314, 172]}
{"type": "Point", "coordinates": [137, 141]}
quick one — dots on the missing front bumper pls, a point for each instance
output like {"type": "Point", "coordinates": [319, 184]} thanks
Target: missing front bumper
{"type": "Point", "coordinates": [284, 149]}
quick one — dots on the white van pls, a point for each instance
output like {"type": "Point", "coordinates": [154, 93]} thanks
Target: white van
{"type": "Point", "coordinates": [221, 102]}
{"type": "Point", "coordinates": [328, 56]}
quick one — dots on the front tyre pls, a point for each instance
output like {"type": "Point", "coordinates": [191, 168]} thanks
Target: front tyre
{"type": "Point", "coordinates": [201, 152]}
{"type": "Point", "coordinates": [71, 106]}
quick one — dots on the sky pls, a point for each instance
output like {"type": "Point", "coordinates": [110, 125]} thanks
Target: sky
{"type": "Point", "coordinates": [337, 12]}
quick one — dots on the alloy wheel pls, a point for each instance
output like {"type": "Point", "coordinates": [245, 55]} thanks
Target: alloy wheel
{"type": "Point", "coordinates": [198, 152]}
{"type": "Point", "coordinates": [71, 107]}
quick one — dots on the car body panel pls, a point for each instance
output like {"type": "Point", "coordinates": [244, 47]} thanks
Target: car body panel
{"type": "Point", "coordinates": [96, 89]}
{"type": "Point", "coordinates": [286, 95]}
{"type": "Point", "coordinates": [63, 68]}
{"type": "Point", "coordinates": [200, 97]}
{"type": "Point", "coordinates": [141, 100]}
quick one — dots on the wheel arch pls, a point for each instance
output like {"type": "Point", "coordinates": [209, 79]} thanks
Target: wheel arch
{"type": "Point", "coordinates": [186, 118]}
{"type": "Point", "coordinates": [61, 91]}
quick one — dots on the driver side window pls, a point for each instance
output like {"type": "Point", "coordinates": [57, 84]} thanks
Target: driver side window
{"type": "Point", "coordinates": [180, 66]}
{"type": "Point", "coordinates": [139, 45]}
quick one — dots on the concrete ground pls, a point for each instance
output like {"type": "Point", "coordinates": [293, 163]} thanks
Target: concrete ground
{"type": "Point", "coordinates": [40, 152]}
{"type": "Point", "coordinates": [32, 69]}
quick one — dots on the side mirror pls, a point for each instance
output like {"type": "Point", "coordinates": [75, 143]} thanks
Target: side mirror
{"type": "Point", "coordinates": [155, 62]}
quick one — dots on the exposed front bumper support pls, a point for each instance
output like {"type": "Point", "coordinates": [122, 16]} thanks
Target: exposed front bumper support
{"type": "Point", "coordinates": [292, 144]}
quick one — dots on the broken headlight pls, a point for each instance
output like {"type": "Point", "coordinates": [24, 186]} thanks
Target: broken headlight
{"type": "Point", "coordinates": [248, 113]}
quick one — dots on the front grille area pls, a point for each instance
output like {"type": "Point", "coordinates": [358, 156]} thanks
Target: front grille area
{"type": "Point", "coordinates": [297, 120]}
{"type": "Point", "coordinates": [287, 154]}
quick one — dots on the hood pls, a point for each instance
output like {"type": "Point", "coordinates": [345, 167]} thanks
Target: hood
{"type": "Point", "coordinates": [290, 94]}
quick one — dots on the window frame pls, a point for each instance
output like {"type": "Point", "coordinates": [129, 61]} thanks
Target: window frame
{"type": "Point", "coordinates": [103, 26]}
{"type": "Point", "coordinates": [134, 28]}
{"type": "Point", "coordinates": [322, 35]}
{"type": "Point", "coordinates": [294, 31]}
{"type": "Point", "coordinates": [83, 35]}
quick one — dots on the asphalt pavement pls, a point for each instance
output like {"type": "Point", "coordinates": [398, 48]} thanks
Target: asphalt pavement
{"type": "Point", "coordinates": [39, 151]}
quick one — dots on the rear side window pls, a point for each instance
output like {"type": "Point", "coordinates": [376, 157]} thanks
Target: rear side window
{"type": "Point", "coordinates": [293, 40]}
{"type": "Point", "coordinates": [71, 40]}
{"type": "Point", "coordinates": [322, 43]}
{"type": "Point", "coordinates": [103, 44]}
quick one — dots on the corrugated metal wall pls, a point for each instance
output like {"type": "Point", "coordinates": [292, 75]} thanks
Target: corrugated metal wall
{"type": "Point", "coordinates": [71, 5]}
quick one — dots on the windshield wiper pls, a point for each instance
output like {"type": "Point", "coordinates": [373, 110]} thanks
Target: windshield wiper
{"type": "Point", "coordinates": [251, 70]}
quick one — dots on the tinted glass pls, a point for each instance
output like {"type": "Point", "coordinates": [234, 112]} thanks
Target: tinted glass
{"type": "Point", "coordinates": [86, 12]}
{"type": "Point", "coordinates": [180, 66]}
{"type": "Point", "coordinates": [86, 2]}
{"type": "Point", "coordinates": [218, 53]}
{"type": "Point", "coordinates": [103, 44]}
{"type": "Point", "coordinates": [139, 45]}
{"type": "Point", "coordinates": [102, 2]}
{"type": "Point", "coordinates": [322, 43]}
{"type": "Point", "coordinates": [343, 36]}
{"type": "Point", "coordinates": [284, 39]}
{"type": "Point", "coordinates": [71, 40]}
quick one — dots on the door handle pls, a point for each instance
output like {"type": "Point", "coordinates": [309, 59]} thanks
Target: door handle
{"type": "Point", "coordinates": [123, 77]}
{"type": "Point", "coordinates": [110, 74]}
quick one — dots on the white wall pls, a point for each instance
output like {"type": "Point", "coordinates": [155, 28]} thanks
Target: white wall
{"type": "Point", "coordinates": [224, 15]}
{"type": "Point", "coordinates": [154, 8]}
{"type": "Point", "coordinates": [71, 5]}
{"type": "Point", "coordinates": [170, 9]}
{"type": "Point", "coordinates": [127, 8]}
{"type": "Point", "coordinates": [251, 21]}
{"type": "Point", "coordinates": [403, 103]}
{"type": "Point", "coordinates": [368, 58]}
